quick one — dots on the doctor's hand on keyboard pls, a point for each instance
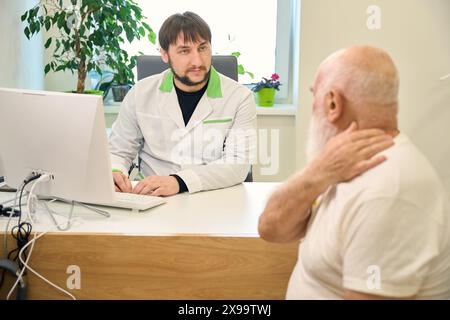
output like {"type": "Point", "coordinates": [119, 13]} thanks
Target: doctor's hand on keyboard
{"type": "Point", "coordinates": [153, 185]}
{"type": "Point", "coordinates": [157, 186]}
{"type": "Point", "coordinates": [121, 182]}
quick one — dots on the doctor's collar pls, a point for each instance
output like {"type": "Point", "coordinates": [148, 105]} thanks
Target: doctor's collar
{"type": "Point", "coordinates": [213, 90]}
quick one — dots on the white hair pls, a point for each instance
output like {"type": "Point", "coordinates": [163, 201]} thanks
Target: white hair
{"type": "Point", "coordinates": [361, 85]}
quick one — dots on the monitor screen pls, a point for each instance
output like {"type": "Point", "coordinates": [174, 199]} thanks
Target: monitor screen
{"type": "Point", "coordinates": [58, 133]}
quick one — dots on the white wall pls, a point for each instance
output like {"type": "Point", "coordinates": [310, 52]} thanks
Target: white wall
{"type": "Point", "coordinates": [21, 63]}
{"type": "Point", "coordinates": [417, 35]}
{"type": "Point", "coordinates": [276, 162]}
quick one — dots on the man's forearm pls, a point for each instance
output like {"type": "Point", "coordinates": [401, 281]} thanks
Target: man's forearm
{"type": "Point", "coordinates": [288, 210]}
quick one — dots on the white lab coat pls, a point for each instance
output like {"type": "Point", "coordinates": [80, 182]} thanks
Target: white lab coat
{"type": "Point", "coordinates": [214, 150]}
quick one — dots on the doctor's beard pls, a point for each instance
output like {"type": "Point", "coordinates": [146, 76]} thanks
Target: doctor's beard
{"type": "Point", "coordinates": [320, 132]}
{"type": "Point", "coordinates": [185, 79]}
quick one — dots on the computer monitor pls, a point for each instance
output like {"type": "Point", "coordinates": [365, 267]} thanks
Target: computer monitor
{"type": "Point", "coordinates": [59, 133]}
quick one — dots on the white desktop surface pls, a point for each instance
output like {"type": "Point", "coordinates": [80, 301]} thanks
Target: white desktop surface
{"type": "Point", "coordinates": [196, 246]}
{"type": "Point", "coordinates": [231, 211]}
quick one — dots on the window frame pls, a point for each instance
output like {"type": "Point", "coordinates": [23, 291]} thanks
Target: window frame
{"type": "Point", "coordinates": [286, 37]}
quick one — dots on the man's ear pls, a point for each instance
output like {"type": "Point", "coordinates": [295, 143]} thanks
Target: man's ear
{"type": "Point", "coordinates": [164, 55]}
{"type": "Point", "coordinates": [334, 105]}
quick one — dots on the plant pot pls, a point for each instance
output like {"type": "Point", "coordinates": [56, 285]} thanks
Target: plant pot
{"type": "Point", "coordinates": [120, 91]}
{"type": "Point", "coordinates": [265, 97]}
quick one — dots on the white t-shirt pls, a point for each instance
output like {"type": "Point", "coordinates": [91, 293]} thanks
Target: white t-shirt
{"type": "Point", "coordinates": [386, 232]}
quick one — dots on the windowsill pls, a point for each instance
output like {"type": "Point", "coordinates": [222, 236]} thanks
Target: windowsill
{"type": "Point", "coordinates": [277, 110]}
{"type": "Point", "coordinates": [112, 107]}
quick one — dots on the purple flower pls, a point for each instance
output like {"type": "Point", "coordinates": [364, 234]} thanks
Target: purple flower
{"type": "Point", "coordinates": [273, 82]}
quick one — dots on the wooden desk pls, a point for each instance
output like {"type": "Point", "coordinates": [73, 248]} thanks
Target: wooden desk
{"type": "Point", "coordinates": [199, 246]}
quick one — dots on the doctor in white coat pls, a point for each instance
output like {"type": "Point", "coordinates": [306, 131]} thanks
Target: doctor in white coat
{"type": "Point", "coordinates": [193, 128]}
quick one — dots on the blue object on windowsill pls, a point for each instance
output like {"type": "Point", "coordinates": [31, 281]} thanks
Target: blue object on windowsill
{"type": "Point", "coordinates": [101, 81]}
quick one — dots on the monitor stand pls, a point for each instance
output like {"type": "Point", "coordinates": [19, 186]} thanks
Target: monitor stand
{"type": "Point", "coordinates": [73, 204]}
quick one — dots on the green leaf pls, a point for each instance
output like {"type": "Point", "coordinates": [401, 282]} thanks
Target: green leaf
{"type": "Point", "coordinates": [35, 11]}
{"type": "Point", "coordinates": [250, 74]}
{"type": "Point", "coordinates": [55, 17]}
{"type": "Point", "coordinates": [118, 31]}
{"type": "Point", "coordinates": [48, 24]}
{"type": "Point", "coordinates": [38, 27]}
{"type": "Point", "coordinates": [123, 14]}
{"type": "Point", "coordinates": [66, 45]}
{"type": "Point", "coordinates": [146, 26]}
{"type": "Point", "coordinates": [32, 28]}
{"type": "Point", "coordinates": [47, 43]}
{"type": "Point", "coordinates": [133, 24]}
{"type": "Point", "coordinates": [74, 2]}
{"type": "Point", "coordinates": [24, 16]}
{"type": "Point", "coordinates": [236, 54]}
{"type": "Point", "coordinates": [142, 31]}
{"type": "Point", "coordinates": [66, 28]}
{"type": "Point", "coordinates": [61, 20]}
{"type": "Point", "coordinates": [27, 32]}
{"type": "Point", "coordinates": [99, 40]}
{"type": "Point", "coordinates": [152, 37]}
{"type": "Point", "coordinates": [241, 69]}
{"type": "Point", "coordinates": [129, 34]}
{"type": "Point", "coordinates": [137, 12]}
{"type": "Point", "coordinates": [31, 15]}
{"type": "Point", "coordinates": [47, 68]}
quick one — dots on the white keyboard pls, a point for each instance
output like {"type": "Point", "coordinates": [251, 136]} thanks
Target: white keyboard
{"type": "Point", "coordinates": [135, 201]}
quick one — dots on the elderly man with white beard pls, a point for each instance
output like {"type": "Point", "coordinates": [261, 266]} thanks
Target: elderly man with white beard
{"type": "Point", "coordinates": [370, 212]}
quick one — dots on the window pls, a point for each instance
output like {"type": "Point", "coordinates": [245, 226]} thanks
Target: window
{"type": "Point", "coordinates": [259, 29]}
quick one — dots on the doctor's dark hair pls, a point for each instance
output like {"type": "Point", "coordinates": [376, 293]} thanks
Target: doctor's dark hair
{"type": "Point", "coordinates": [189, 24]}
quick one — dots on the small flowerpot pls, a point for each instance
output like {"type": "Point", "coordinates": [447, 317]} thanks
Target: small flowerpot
{"type": "Point", "coordinates": [265, 97]}
{"type": "Point", "coordinates": [120, 91]}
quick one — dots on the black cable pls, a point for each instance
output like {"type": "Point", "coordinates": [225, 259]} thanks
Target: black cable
{"type": "Point", "coordinates": [21, 232]}
{"type": "Point", "coordinates": [20, 203]}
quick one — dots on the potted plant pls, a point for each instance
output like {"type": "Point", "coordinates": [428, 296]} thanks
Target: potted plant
{"type": "Point", "coordinates": [90, 34]}
{"type": "Point", "coordinates": [265, 90]}
{"type": "Point", "coordinates": [122, 78]}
